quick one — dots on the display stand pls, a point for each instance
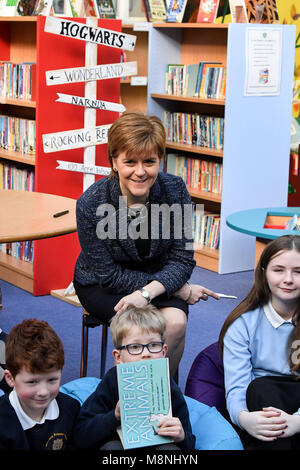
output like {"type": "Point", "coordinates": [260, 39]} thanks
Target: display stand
{"type": "Point", "coordinates": [90, 135]}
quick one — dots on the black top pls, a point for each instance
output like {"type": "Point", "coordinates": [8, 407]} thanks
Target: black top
{"type": "Point", "coordinates": [112, 259]}
{"type": "Point", "coordinates": [97, 423]}
{"type": "Point", "coordinates": [56, 434]}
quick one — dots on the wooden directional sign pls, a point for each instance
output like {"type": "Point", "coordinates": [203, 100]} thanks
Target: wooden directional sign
{"type": "Point", "coordinates": [73, 139]}
{"type": "Point", "coordinates": [83, 168]}
{"type": "Point", "coordinates": [90, 103]}
{"type": "Point", "coordinates": [105, 37]}
{"type": "Point", "coordinates": [86, 74]}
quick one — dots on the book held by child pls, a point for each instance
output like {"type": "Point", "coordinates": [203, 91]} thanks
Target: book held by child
{"type": "Point", "coordinates": [145, 399]}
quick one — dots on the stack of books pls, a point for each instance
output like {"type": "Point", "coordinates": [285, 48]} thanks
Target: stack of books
{"type": "Point", "coordinates": [20, 179]}
{"type": "Point", "coordinates": [17, 135]}
{"type": "Point", "coordinates": [196, 173]}
{"type": "Point", "coordinates": [196, 129]}
{"type": "Point", "coordinates": [203, 80]}
{"type": "Point", "coordinates": [206, 229]}
{"type": "Point", "coordinates": [17, 81]}
{"type": "Point", "coordinates": [12, 177]}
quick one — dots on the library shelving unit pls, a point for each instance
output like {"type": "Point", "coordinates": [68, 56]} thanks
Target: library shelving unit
{"type": "Point", "coordinates": [23, 39]}
{"type": "Point", "coordinates": [133, 91]}
{"type": "Point", "coordinates": [255, 154]}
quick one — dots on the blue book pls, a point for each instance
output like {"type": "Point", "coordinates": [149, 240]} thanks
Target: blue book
{"type": "Point", "coordinates": [145, 399]}
{"type": "Point", "coordinates": [176, 10]}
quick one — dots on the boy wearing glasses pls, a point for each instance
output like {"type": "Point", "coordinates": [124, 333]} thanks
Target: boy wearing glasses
{"type": "Point", "coordinates": [137, 334]}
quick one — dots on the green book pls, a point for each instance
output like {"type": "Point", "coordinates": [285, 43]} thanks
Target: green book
{"type": "Point", "coordinates": [172, 163]}
{"type": "Point", "coordinates": [192, 80]}
{"type": "Point", "coordinates": [145, 399]}
{"type": "Point", "coordinates": [105, 8]}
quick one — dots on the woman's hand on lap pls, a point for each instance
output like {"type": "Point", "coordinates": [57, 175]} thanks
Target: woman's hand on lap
{"type": "Point", "coordinates": [135, 299]}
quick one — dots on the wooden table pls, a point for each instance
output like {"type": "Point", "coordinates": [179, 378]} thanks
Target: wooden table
{"type": "Point", "coordinates": [28, 215]}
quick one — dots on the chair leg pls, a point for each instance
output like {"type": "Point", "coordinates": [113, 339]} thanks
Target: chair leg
{"type": "Point", "coordinates": [84, 349]}
{"type": "Point", "coordinates": [103, 350]}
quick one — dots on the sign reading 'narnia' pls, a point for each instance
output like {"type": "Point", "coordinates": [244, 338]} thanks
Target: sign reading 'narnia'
{"type": "Point", "coordinates": [90, 103]}
{"type": "Point", "coordinates": [83, 32]}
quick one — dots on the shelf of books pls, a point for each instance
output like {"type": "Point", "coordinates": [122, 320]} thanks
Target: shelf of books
{"type": "Point", "coordinates": [231, 148]}
{"type": "Point", "coordinates": [17, 133]}
{"type": "Point", "coordinates": [28, 110]}
{"type": "Point", "coordinates": [133, 91]}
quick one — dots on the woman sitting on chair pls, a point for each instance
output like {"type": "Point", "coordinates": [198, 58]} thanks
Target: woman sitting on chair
{"type": "Point", "coordinates": [134, 229]}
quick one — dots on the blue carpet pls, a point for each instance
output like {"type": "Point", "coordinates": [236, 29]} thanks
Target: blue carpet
{"type": "Point", "coordinates": [205, 320]}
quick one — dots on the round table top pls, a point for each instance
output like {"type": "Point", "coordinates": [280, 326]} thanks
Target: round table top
{"type": "Point", "coordinates": [252, 221]}
{"type": "Point", "coordinates": [28, 215]}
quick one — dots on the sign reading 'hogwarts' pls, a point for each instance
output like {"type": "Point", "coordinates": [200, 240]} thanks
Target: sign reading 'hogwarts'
{"type": "Point", "coordinates": [104, 37]}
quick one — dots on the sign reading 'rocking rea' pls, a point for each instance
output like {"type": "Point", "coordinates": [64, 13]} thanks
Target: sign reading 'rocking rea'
{"type": "Point", "coordinates": [76, 138]}
{"type": "Point", "coordinates": [104, 37]}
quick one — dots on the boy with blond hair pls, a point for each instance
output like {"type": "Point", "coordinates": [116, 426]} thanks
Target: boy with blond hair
{"type": "Point", "coordinates": [35, 415]}
{"type": "Point", "coordinates": [137, 334]}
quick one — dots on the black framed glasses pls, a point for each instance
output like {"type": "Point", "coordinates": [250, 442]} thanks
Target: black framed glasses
{"type": "Point", "coordinates": [138, 348]}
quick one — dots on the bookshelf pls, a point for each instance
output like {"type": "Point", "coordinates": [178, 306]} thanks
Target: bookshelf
{"type": "Point", "coordinates": [134, 97]}
{"type": "Point", "coordinates": [14, 49]}
{"type": "Point", "coordinates": [23, 39]}
{"type": "Point", "coordinates": [255, 154]}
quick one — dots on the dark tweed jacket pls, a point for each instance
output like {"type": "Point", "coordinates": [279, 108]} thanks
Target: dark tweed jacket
{"type": "Point", "coordinates": [113, 262]}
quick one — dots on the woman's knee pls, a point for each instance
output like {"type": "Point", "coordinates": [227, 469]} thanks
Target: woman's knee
{"type": "Point", "coordinates": [176, 321]}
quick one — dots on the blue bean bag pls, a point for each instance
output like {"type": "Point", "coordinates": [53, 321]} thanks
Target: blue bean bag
{"type": "Point", "coordinates": [211, 430]}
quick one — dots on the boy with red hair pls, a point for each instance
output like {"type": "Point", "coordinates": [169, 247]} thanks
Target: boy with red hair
{"type": "Point", "coordinates": [35, 415]}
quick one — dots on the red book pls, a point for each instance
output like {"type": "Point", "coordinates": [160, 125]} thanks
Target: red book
{"type": "Point", "coordinates": [281, 227]}
{"type": "Point", "coordinates": [207, 11]}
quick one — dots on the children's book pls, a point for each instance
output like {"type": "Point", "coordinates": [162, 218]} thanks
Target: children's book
{"type": "Point", "coordinates": [77, 8]}
{"type": "Point", "coordinates": [26, 7]}
{"type": "Point", "coordinates": [105, 8]}
{"type": "Point", "coordinates": [193, 70]}
{"type": "Point", "coordinates": [238, 11]}
{"type": "Point", "coordinates": [155, 10]}
{"type": "Point", "coordinates": [207, 11]}
{"type": "Point", "coordinates": [43, 8]}
{"type": "Point", "coordinates": [145, 399]}
{"type": "Point", "coordinates": [85, 8]}
{"type": "Point", "coordinates": [9, 7]}
{"type": "Point", "coordinates": [191, 11]}
{"type": "Point", "coordinates": [176, 10]}
{"type": "Point", "coordinates": [262, 11]}
{"type": "Point", "coordinates": [171, 163]}
{"type": "Point", "coordinates": [201, 79]}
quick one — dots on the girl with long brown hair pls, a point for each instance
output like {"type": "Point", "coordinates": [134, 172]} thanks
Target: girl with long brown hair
{"type": "Point", "coordinates": [260, 346]}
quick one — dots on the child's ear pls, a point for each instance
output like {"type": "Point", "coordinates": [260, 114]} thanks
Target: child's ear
{"type": "Point", "coordinates": [116, 356]}
{"type": "Point", "coordinates": [9, 378]}
{"type": "Point", "coordinates": [165, 349]}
